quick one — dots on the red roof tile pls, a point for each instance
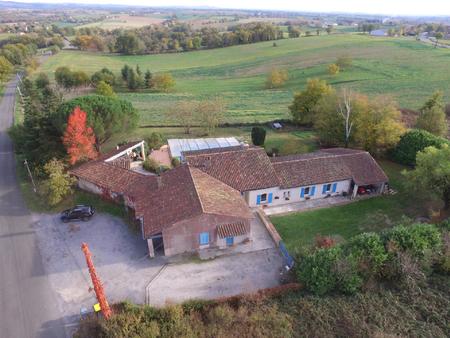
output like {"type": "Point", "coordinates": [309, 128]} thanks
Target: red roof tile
{"type": "Point", "coordinates": [244, 170]}
{"type": "Point", "coordinates": [232, 229]}
{"type": "Point", "coordinates": [186, 192]}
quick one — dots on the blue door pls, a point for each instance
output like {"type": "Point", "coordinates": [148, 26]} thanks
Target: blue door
{"type": "Point", "coordinates": [230, 241]}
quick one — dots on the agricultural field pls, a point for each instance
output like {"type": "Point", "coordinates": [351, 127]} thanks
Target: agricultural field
{"type": "Point", "coordinates": [124, 21]}
{"type": "Point", "coordinates": [393, 66]}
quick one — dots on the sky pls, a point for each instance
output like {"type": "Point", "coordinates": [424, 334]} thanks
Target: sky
{"type": "Point", "coordinates": [387, 7]}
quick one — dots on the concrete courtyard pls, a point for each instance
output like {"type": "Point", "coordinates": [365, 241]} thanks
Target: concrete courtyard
{"type": "Point", "coordinates": [121, 260]}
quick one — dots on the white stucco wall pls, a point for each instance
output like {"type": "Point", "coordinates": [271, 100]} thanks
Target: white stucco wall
{"type": "Point", "coordinates": [88, 186]}
{"type": "Point", "coordinates": [279, 194]}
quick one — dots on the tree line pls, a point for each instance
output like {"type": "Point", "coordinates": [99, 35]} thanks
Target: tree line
{"type": "Point", "coordinates": [105, 80]}
{"type": "Point", "coordinates": [175, 38]}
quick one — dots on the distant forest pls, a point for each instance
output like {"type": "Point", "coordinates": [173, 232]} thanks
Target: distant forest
{"type": "Point", "coordinates": [156, 39]}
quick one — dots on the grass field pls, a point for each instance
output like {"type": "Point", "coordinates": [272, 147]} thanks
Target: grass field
{"type": "Point", "coordinates": [401, 67]}
{"type": "Point", "coordinates": [372, 214]}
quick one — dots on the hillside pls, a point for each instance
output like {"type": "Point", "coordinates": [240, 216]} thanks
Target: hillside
{"type": "Point", "coordinates": [393, 66]}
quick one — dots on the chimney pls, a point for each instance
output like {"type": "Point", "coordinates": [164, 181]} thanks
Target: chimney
{"type": "Point", "coordinates": [159, 181]}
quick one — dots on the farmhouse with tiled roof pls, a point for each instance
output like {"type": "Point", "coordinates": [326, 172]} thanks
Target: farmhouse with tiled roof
{"type": "Point", "coordinates": [206, 201]}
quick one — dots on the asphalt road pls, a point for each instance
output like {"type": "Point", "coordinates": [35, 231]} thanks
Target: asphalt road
{"type": "Point", "coordinates": [28, 306]}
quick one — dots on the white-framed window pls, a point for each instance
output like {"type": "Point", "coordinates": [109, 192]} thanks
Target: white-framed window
{"type": "Point", "coordinates": [328, 187]}
{"type": "Point", "coordinates": [307, 191]}
{"type": "Point", "coordinates": [263, 197]}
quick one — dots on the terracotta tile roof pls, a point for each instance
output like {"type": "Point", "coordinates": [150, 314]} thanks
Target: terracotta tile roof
{"type": "Point", "coordinates": [107, 175]}
{"type": "Point", "coordinates": [328, 165]}
{"type": "Point", "coordinates": [297, 172]}
{"type": "Point", "coordinates": [365, 170]}
{"type": "Point", "coordinates": [243, 170]}
{"type": "Point", "coordinates": [186, 192]}
{"type": "Point", "coordinates": [232, 230]}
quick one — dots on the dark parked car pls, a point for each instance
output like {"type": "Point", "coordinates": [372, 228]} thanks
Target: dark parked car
{"type": "Point", "coordinates": [78, 212]}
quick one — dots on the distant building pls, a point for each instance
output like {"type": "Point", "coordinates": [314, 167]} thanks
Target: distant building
{"type": "Point", "coordinates": [378, 32]}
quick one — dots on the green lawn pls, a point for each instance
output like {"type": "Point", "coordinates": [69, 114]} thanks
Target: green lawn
{"type": "Point", "coordinates": [373, 214]}
{"type": "Point", "coordinates": [401, 67]}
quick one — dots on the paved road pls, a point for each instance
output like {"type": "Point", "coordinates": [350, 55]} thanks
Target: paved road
{"type": "Point", "coordinates": [28, 305]}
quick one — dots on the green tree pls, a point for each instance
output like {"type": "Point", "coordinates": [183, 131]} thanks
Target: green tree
{"type": "Point", "coordinates": [432, 116]}
{"type": "Point", "coordinates": [432, 173]}
{"type": "Point", "coordinates": [104, 89]}
{"type": "Point", "coordinates": [258, 136]}
{"type": "Point", "coordinates": [106, 115]}
{"type": "Point", "coordinates": [148, 79]}
{"type": "Point", "coordinates": [104, 75]}
{"type": "Point", "coordinates": [59, 183]}
{"type": "Point", "coordinates": [42, 81]}
{"type": "Point", "coordinates": [412, 142]}
{"type": "Point", "coordinates": [6, 68]}
{"type": "Point", "coordinates": [129, 43]}
{"type": "Point", "coordinates": [64, 77]}
{"type": "Point", "coordinates": [155, 141]}
{"type": "Point", "coordinates": [438, 36]}
{"type": "Point", "coordinates": [378, 126]}
{"type": "Point", "coordinates": [302, 109]}
{"type": "Point", "coordinates": [132, 80]}
{"type": "Point", "coordinates": [124, 71]}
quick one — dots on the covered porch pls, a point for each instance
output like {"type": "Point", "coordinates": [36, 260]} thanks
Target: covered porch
{"type": "Point", "coordinates": [367, 189]}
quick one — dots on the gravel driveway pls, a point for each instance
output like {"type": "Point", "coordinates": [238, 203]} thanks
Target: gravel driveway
{"type": "Point", "coordinates": [221, 277]}
{"type": "Point", "coordinates": [119, 255]}
{"type": "Point", "coordinates": [121, 260]}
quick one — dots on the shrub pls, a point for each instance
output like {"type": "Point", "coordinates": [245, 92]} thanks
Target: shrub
{"type": "Point", "coordinates": [104, 75]}
{"type": "Point", "coordinates": [175, 162]}
{"type": "Point", "coordinates": [411, 143]}
{"type": "Point", "coordinates": [317, 270]}
{"type": "Point", "coordinates": [258, 136]}
{"type": "Point", "coordinates": [276, 78]}
{"type": "Point", "coordinates": [348, 279]}
{"type": "Point", "coordinates": [155, 141]}
{"type": "Point", "coordinates": [368, 249]}
{"type": "Point", "coordinates": [59, 183]}
{"type": "Point", "coordinates": [416, 239]}
{"type": "Point", "coordinates": [104, 89]}
{"type": "Point", "coordinates": [151, 165]}
{"type": "Point", "coordinates": [163, 82]}
{"type": "Point", "coordinates": [333, 69]}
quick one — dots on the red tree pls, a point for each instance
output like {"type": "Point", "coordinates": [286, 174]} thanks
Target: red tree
{"type": "Point", "coordinates": [79, 139]}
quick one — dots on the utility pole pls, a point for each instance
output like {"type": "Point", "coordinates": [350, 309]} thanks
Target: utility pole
{"type": "Point", "coordinates": [98, 287]}
{"type": "Point", "coordinates": [31, 176]}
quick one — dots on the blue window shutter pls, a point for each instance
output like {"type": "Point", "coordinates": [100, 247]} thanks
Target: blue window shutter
{"type": "Point", "coordinates": [302, 192]}
{"type": "Point", "coordinates": [270, 197]}
{"type": "Point", "coordinates": [204, 238]}
{"type": "Point", "coordinates": [334, 187]}
{"type": "Point", "coordinates": [258, 199]}
{"type": "Point", "coordinates": [324, 189]}
{"type": "Point", "coordinates": [312, 191]}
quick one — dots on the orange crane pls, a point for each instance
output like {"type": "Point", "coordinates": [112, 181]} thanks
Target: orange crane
{"type": "Point", "coordinates": [98, 287]}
